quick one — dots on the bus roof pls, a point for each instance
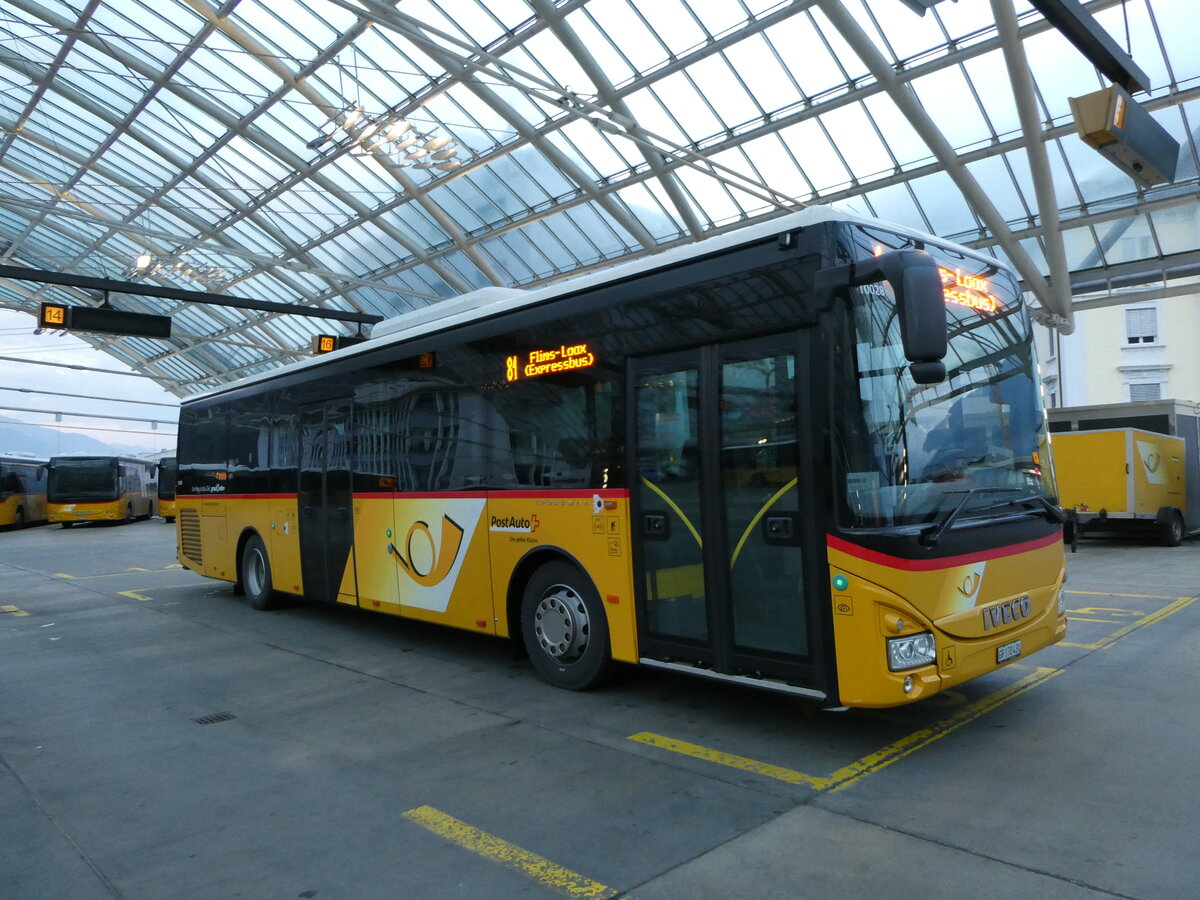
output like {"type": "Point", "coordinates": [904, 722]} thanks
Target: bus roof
{"type": "Point", "coordinates": [18, 456]}
{"type": "Point", "coordinates": [125, 459]}
{"type": "Point", "coordinates": [493, 300]}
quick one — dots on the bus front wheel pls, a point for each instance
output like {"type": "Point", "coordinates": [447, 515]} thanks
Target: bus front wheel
{"type": "Point", "coordinates": [564, 627]}
{"type": "Point", "coordinates": [256, 575]}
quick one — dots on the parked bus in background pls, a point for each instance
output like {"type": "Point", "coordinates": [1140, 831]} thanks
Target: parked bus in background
{"type": "Point", "coordinates": [167, 473]}
{"type": "Point", "coordinates": [100, 489]}
{"type": "Point", "coordinates": [808, 456]}
{"type": "Point", "coordinates": [22, 490]}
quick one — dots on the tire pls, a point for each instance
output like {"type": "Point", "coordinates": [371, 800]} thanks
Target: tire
{"type": "Point", "coordinates": [564, 627]}
{"type": "Point", "coordinates": [255, 575]}
{"type": "Point", "coordinates": [128, 513]}
{"type": "Point", "coordinates": [19, 518]}
{"type": "Point", "coordinates": [1170, 532]}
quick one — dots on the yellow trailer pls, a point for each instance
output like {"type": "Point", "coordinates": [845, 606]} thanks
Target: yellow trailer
{"type": "Point", "coordinates": [1123, 478]}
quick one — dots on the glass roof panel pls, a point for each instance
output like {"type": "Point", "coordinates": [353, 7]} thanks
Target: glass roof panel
{"type": "Point", "coordinates": [235, 176]}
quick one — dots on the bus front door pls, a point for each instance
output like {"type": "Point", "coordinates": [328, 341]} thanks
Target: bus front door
{"type": "Point", "coordinates": [325, 503]}
{"type": "Point", "coordinates": [723, 529]}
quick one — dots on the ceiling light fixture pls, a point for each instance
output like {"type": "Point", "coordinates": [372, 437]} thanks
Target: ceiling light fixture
{"type": "Point", "coordinates": [395, 137]}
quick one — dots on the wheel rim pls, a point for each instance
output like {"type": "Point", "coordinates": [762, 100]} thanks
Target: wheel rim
{"type": "Point", "coordinates": [561, 624]}
{"type": "Point", "coordinates": [256, 573]}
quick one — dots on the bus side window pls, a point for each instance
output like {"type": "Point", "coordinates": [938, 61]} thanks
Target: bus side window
{"type": "Point", "coordinates": [559, 434]}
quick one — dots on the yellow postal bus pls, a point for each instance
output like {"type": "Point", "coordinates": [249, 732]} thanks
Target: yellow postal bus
{"type": "Point", "coordinates": [808, 456]}
{"type": "Point", "coordinates": [100, 489]}
{"type": "Point", "coordinates": [22, 490]}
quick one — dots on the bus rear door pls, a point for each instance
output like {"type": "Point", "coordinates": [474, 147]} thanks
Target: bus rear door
{"type": "Point", "coordinates": [324, 500]}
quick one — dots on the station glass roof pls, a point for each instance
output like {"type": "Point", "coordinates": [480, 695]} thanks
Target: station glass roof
{"type": "Point", "coordinates": [378, 157]}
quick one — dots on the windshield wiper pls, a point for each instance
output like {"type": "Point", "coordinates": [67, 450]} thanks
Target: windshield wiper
{"type": "Point", "coordinates": [931, 535]}
{"type": "Point", "coordinates": [1052, 513]}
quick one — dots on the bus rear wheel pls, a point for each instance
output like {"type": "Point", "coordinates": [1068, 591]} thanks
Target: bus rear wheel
{"type": "Point", "coordinates": [564, 627]}
{"type": "Point", "coordinates": [19, 518]}
{"type": "Point", "coordinates": [256, 575]}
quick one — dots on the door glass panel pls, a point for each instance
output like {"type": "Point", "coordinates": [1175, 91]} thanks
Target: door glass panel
{"type": "Point", "coordinates": [760, 486]}
{"type": "Point", "coordinates": [669, 495]}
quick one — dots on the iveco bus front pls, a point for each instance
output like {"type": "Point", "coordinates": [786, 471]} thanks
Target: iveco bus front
{"type": "Point", "coordinates": [948, 535]}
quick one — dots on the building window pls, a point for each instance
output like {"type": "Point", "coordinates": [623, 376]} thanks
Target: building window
{"type": "Point", "coordinates": [1141, 326]}
{"type": "Point", "coordinates": [1151, 391]}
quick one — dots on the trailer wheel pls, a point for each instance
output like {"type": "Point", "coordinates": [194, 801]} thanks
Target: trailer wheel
{"type": "Point", "coordinates": [1170, 531]}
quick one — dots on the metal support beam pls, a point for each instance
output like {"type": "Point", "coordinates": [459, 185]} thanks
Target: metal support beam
{"type": "Point", "coordinates": [1158, 293]}
{"type": "Point", "coordinates": [1058, 301]}
{"type": "Point", "coordinates": [1097, 47]}
{"type": "Point", "coordinates": [19, 273]}
{"type": "Point", "coordinates": [921, 122]}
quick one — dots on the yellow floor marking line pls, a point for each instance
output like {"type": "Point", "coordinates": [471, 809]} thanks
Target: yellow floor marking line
{"type": "Point", "coordinates": [870, 763]}
{"type": "Point", "coordinates": [138, 595]}
{"type": "Point", "coordinates": [115, 574]}
{"type": "Point", "coordinates": [1104, 621]}
{"type": "Point", "coordinates": [1157, 616]}
{"type": "Point", "coordinates": [1109, 594]}
{"type": "Point", "coordinates": [496, 850]}
{"type": "Point", "coordinates": [13, 610]}
{"type": "Point", "coordinates": [1114, 610]}
{"type": "Point", "coordinates": [730, 760]}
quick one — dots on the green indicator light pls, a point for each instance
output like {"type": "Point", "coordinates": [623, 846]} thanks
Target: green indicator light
{"type": "Point", "coordinates": [840, 582]}
{"type": "Point", "coordinates": [389, 532]}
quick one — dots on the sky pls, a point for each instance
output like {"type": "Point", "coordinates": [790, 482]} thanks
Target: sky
{"type": "Point", "coordinates": [89, 397]}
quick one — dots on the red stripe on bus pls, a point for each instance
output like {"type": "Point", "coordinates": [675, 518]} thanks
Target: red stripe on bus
{"type": "Point", "coordinates": [946, 562]}
{"type": "Point", "coordinates": [604, 493]}
{"type": "Point", "coordinates": [233, 496]}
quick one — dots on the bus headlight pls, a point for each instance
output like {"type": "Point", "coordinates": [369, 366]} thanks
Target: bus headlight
{"type": "Point", "coordinates": [911, 651]}
{"type": "Point", "coordinates": [1062, 602]}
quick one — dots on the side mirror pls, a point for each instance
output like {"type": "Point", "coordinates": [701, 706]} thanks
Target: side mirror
{"type": "Point", "coordinates": [920, 303]}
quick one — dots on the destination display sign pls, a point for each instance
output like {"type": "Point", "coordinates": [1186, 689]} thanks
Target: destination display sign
{"type": "Point", "coordinates": [968, 290]}
{"type": "Point", "coordinates": [549, 361]}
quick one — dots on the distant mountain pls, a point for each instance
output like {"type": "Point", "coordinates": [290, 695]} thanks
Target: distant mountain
{"type": "Point", "coordinates": [46, 442]}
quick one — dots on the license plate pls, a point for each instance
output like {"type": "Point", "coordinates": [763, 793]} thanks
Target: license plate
{"type": "Point", "coordinates": [1006, 652]}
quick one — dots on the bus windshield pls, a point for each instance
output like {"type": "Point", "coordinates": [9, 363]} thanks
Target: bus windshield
{"type": "Point", "coordinates": [909, 453]}
{"type": "Point", "coordinates": [83, 480]}
{"type": "Point", "coordinates": [168, 471]}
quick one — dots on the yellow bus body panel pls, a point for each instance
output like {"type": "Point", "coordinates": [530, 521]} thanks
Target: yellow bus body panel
{"type": "Point", "coordinates": [110, 511]}
{"type": "Point", "coordinates": [591, 528]}
{"type": "Point", "coordinates": [166, 509]}
{"type": "Point", "coordinates": [954, 599]}
{"type": "Point", "coordinates": [33, 504]}
{"type": "Point", "coordinates": [448, 559]}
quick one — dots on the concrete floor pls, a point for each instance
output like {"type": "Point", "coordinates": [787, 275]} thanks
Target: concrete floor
{"type": "Point", "coordinates": [357, 756]}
